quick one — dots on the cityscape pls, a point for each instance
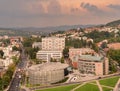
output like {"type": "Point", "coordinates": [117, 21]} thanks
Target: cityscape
{"type": "Point", "coordinates": [60, 45]}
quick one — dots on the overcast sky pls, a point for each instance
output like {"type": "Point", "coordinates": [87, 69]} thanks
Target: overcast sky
{"type": "Point", "coordinates": [41, 13]}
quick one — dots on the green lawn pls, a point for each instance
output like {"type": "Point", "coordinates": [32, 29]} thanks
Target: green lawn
{"type": "Point", "coordinates": [63, 88]}
{"type": "Point", "coordinates": [88, 87]}
{"type": "Point", "coordinates": [106, 89]}
{"type": "Point", "coordinates": [109, 81]}
{"type": "Point", "coordinates": [94, 82]}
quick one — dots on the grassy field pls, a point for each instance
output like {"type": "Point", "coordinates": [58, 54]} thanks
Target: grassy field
{"type": "Point", "coordinates": [88, 87]}
{"type": "Point", "coordinates": [63, 88]}
{"type": "Point", "coordinates": [93, 82]}
{"type": "Point", "coordinates": [109, 81]}
{"type": "Point", "coordinates": [106, 89]}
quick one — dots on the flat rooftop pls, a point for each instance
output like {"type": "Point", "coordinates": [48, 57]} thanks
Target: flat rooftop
{"type": "Point", "coordinates": [48, 66]}
{"type": "Point", "coordinates": [91, 58]}
{"type": "Point", "coordinates": [52, 38]}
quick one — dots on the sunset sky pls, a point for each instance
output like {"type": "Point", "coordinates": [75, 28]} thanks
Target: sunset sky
{"type": "Point", "coordinates": [42, 13]}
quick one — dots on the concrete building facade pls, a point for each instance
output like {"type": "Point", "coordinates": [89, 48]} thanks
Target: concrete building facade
{"type": "Point", "coordinates": [79, 51]}
{"type": "Point", "coordinates": [96, 65]}
{"type": "Point", "coordinates": [53, 43]}
{"type": "Point", "coordinates": [47, 55]}
{"type": "Point", "coordinates": [75, 52]}
{"type": "Point", "coordinates": [46, 73]}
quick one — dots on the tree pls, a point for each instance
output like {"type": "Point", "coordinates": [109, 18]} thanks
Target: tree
{"type": "Point", "coordinates": [14, 48]}
{"type": "Point", "coordinates": [66, 52]}
{"type": "Point", "coordinates": [104, 45]}
{"type": "Point", "coordinates": [6, 80]}
{"type": "Point", "coordinates": [1, 53]}
{"type": "Point", "coordinates": [112, 67]}
{"type": "Point", "coordinates": [6, 42]}
{"type": "Point", "coordinates": [99, 36]}
{"type": "Point", "coordinates": [1, 84]}
{"type": "Point", "coordinates": [27, 42]}
{"type": "Point", "coordinates": [15, 60]}
{"type": "Point", "coordinates": [62, 60]}
{"type": "Point", "coordinates": [114, 55]}
{"type": "Point", "coordinates": [31, 52]}
{"type": "Point", "coordinates": [95, 48]}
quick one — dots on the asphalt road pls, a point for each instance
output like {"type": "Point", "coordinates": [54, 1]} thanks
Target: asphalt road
{"type": "Point", "coordinates": [15, 83]}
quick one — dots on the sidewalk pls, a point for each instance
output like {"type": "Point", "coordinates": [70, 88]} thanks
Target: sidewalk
{"type": "Point", "coordinates": [27, 89]}
{"type": "Point", "coordinates": [99, 86]}
{"type": "Point", "coordinates": [78, 86]}
{"type": "Point", "coordinates": [117, 88]}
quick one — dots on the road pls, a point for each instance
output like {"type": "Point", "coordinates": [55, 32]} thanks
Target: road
{"type": "Point", "coordinates": [15, 83]}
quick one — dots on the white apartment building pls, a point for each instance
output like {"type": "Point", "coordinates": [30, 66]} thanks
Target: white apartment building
{"type": "Point", "coordinates": [53, 43]}
{"type": "Point", "coordinates": [37, 45]}
{"type": "Point", "coordinates": [6, 62]}
{"type": "Point", "coordinates": [47, 55]}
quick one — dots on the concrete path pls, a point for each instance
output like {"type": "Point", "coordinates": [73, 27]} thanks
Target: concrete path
{"type": "Point", "coordinates": [117, 86]}
{"type": "Point", "coordinates": [26, 89]}
{"type": "Point", "coordinates": [103, 86]}
{"type": "Point", "coordinates": [99, 86]}
{"type": "Point", "coordinates": [107, 86]}
{"type": "Point", "coordinates": [78, 86]}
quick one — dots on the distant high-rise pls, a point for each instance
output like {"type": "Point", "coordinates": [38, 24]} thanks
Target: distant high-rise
{"type": "Point", "coordinates": [53, 43]}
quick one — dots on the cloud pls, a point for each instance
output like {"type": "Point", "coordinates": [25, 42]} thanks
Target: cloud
{"type": "Point", "coordinates": [57, 12]}
{"type": "Point", "coordinates": [116, 7]}
{"type": "Point", "coordinates": [93, 10]}
{"type": "Point", "coordinates": [89, 7]}
{"type": "Point", "coordinates": [54, 7]}
{"type": "Point", "coordinates": [75, 9]}
{"type": "Point", "coordinates": [36, 7]}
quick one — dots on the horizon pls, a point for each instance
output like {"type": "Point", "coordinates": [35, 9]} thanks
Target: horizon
{"type": "Point", "coordinates": [53, 26]}
{"type": "Point", "coordinates": [50, 13]}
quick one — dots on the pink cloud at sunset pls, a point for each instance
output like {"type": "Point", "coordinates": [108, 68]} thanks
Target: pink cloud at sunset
{"type": "Point", "coordinates": [42, 13]}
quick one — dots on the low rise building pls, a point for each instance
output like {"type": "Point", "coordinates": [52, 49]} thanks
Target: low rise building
{"type": "Point", "coordinates": [80, 51]}
{"type": "Point", "coordinates": [47, 55]}
{"type": "Point", "coordinates": [16, 41]}
{"type": "Point", "coordinates": [115, 46]}
{"type": "Point", "coordinates": [47, 73]}
{"type": "Point", "coordinates": [75, 52]}
{"type": "Point", "coordinates": [97, 65]}
{"type": "Point", "coordinates": [37, 45]}
{"type": "Point", "coordinates": [6, 62]}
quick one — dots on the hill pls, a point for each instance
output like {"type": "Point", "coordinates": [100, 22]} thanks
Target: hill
{"type": "Point", "coordinates": [113, 23]}
{"type": "Point", "coordinates": [37, 31]}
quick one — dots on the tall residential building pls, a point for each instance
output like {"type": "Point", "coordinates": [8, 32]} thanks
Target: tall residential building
{"type": "Point", "coordinates": [53, 43]}
{"type": "Point", "coordinates": [96, 65]}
